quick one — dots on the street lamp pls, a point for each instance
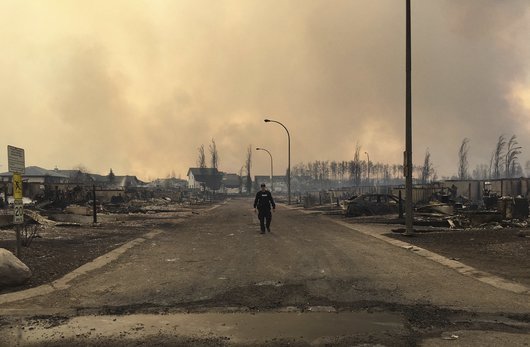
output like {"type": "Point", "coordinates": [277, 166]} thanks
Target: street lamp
{"type": "Point", "coordinates": [272, 175]}
{"type": "Point", "coordinates": [288, 158]}
{"type": "Point", "coordinates": [368, 166]}
{"type": "Point", "coordinates": [241, 180]}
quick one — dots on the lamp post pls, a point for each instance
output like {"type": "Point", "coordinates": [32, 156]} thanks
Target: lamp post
{"type": "Point", "coordinates": [241, 180]}
{"type": "Point", "coordinates": [368, 165]}
{"type": "Point", "coordinates": [272, 174]}
{"type": "Point", "coordinates": [288, 159]}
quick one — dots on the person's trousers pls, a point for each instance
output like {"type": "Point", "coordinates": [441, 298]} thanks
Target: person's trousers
{"type": "Point", "coordinates": [265, 218]}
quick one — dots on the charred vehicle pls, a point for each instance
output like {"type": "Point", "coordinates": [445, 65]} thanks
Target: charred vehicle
{"type": "Point", "coordinates": [371, 204]}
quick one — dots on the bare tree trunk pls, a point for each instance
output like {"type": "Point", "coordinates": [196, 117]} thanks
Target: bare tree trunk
{"type": "Point", "coordinates": [427, 169]}
{"type": "Point", "coordinates": [356, 167]}
{"type": "Point", "coordinates": [462, 160]}
{"type": "Point", "coordinates": [497, 156]}
{"type": "Point", "coordinates": [248, 166]}
{"type": "Point", "coordinates": [201, 161]}
{"type": "Point", "coordinates": [512, 153]}
{"type": "Point", "coordinates": [214, 155]}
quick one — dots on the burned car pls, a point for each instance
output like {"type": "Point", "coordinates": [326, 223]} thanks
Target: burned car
{"type": "Point", "coordinates": [371, 204]}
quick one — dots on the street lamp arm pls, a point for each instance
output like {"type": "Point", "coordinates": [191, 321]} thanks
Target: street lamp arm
{"type": "Point", "coordinates": [263, 149]}
{"type": "Point", "coordinates": [275, 121]}
{"type": "Point", "coordinates": [272, 173]}
{"type": "Point", "coordinates": [288, 158]}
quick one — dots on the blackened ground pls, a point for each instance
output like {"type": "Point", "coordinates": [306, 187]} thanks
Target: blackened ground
{"type": "Point", "coordinates": [51, 258]}
{"type": "Point", "coordinates": [503, 252]}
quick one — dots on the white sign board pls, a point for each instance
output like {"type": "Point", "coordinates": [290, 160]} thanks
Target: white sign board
{"type": "Point", "coordinates": [19, 212]}
{"type": "Point", "coordinates": [15, 159]}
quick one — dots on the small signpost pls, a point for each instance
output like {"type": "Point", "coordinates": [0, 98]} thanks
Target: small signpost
{"type": "Point", "coordinates": [15, 159]}
{"type": "Point", "coordinates": [16, 163]}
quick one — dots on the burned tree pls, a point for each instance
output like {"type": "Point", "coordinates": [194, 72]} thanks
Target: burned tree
{"type": "Point", "coordinates": [481, 172]}
{"type": "Point", "coordinates": [462, 160]}
{"type": "Point", "coordinates": [343, 169]}
{"type": "Point", "coordinates": [512, 152]}
{"type": "Point", "coordinates": [527, 168]}
{"type": "Point", "coordinates": [248, 166]}
{"type": "Point", "coordinates": [356, 166]}
{"type": "Point", "coordinates": [214, 155]}
{"type": "Point", "coordinates": [325, 170]}
{"type": "Point", "coordinates": [111, 176]}
{"type": "Point", "coordinates": [496, 158]}
{"type": "Point", "coordinates": [201, 161]}
{"type": "Point", "coordinates": [334, 169]}
{"type": "Point", "coordinates": [427, 169]}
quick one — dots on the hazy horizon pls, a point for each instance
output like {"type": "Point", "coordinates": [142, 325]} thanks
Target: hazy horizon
{"type": "Point", "coordinates": [138, 86]}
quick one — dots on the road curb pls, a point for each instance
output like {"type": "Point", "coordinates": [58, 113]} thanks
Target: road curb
{"type": "Point", "coordinates": [466, 270]}
{"type": "Point", "coordinates": [64, 282]}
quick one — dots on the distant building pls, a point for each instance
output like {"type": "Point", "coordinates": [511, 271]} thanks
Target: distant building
{"type": "Point", "coordinates": [204, 178]}
{"type": "Point", "coordinates": [279, 183]}
{"type": "Point", "coordinates": [231, 183]}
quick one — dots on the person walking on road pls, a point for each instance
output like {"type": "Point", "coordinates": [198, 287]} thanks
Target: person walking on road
{"type": "Point", "coordinates": [263, 204]}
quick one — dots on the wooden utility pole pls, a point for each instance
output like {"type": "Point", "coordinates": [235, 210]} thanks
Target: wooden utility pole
{"type": "Point", "coordinates": [408, 153]}
{"type": "Point", "coordinates": [94, 207]}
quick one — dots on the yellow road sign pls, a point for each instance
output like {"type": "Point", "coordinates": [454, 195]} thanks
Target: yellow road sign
{"type": "Point", "coordinates": [17, 186]}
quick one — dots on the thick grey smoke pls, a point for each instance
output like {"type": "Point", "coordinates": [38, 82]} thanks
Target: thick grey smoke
{"type": "Point", "coordinates": [138, 86]}
{"type": "Point", "coordinates": [468, 73]}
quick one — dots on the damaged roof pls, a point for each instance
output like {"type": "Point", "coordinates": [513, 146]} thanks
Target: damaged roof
{"type": "Point", "coordinates": [35, 171]}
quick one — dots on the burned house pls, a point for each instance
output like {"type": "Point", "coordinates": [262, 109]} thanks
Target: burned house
{"type": "Point", "coordinates": [476, 190]}
{"type": "Point", "coordinates": [37, 182]}
{"type": "Point", "coordinates": [67, 185]}
{"type": "Point", "coordinates": [116, 182]}
{"type": "Point", "coordinates": [168, 183]}
{"type": "Point", "coordinates": [77, 177]}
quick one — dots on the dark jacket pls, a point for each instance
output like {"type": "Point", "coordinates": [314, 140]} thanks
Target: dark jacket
{"type": "Point", "coordinates": [264, 201]}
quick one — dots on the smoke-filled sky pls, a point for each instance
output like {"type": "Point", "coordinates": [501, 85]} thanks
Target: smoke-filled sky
{"type": "Point", "coordinates": [138, 86]}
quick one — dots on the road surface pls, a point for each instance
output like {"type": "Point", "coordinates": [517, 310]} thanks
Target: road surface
{"type": "Point", "coordinates": [214, 280]}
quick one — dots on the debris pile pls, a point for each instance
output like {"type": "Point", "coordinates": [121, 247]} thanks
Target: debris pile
{"type": "Point", "coordinates": [447, 210]}
{"type": "Point", "coordinates": [508, 212]}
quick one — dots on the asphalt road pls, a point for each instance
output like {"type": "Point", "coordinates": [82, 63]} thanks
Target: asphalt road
{"type": "Point", "coordinates": [214, 280]}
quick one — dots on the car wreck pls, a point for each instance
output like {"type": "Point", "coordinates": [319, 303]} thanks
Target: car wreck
{"type": "Point", "coordinates": [370, 205]}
